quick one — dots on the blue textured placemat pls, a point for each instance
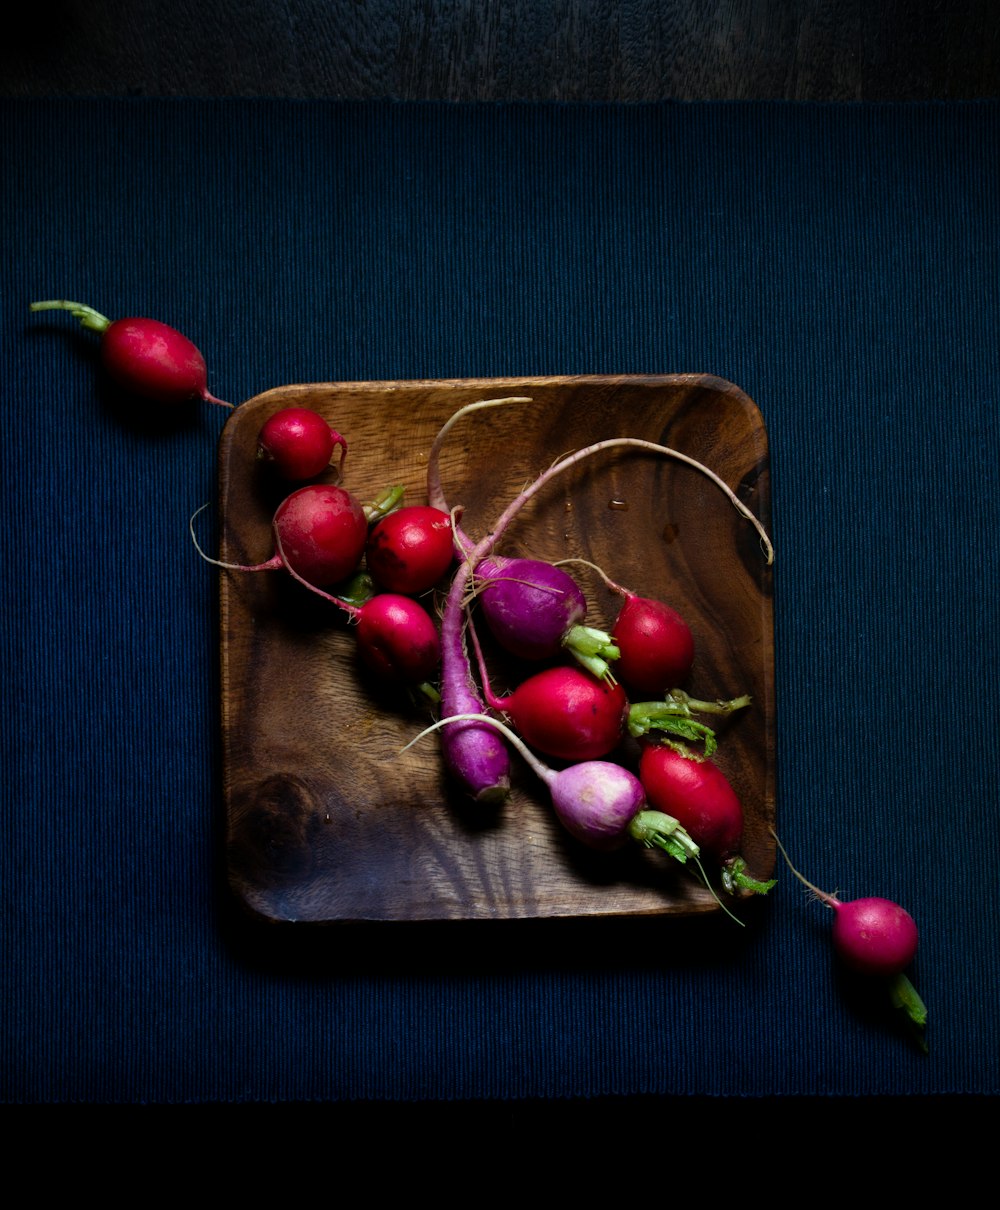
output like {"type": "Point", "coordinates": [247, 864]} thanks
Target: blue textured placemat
{"type": "Point", "coordinates": [840, 264]}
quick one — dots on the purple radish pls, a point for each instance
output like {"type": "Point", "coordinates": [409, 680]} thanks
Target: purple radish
{"type": "Point", "coordinates": [535, 611]}
{"type": "Point", "coordinates": [144, 356]}
{"type": "Point", "coordinates": [874, 936]}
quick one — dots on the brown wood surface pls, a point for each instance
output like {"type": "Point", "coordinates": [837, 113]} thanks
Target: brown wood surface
{"type": "Point", "coordinates": [326, 819]}
{"type": "Point", "coordinates": [507, 50]}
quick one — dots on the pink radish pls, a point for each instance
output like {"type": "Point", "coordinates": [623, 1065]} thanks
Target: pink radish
{"type": "Point", "coordinates": [319, 536]}
{"type": "Point", "coordinates": [299, 443]}
{"type": "Point", "coordinates": [874, 937]}
{"type": "Point", "coordinates": [144, 356]}
{"type": "Point", "coordinates": [410, 550]}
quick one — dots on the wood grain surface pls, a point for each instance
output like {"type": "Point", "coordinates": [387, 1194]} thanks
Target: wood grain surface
{"type": "Point", "coordinates": [494, 50]}
{"type": "Point", "coordinates": [327, 819]}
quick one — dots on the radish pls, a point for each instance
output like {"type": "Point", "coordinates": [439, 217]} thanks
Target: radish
{"type": "Point", "coordinates": [874, 936]}
{"type": "Point", "coordinates": [698, 794]}
{"type": "Point", "coordinates": [397, 639]}
{"type": "Point", "coordinates": [535, 611]}
{"type": "Point", "coordinates": [411, 549]}
{"type": "Point", "coordinates": [299, 443]}
{"type": "Point", "coordinates": [144, 356]}
{"type": "Point", "coordinates": [319, 536]}
{"type": "Point", "coordinates": [563, 711]}
{"type": "Point", "coordinates": [655, 644]}
{"type": "Point", "coordinates": [458, 692]}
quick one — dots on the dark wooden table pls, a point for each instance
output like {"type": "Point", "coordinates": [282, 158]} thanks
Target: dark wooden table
{"type": "Point", "coordinates": [503, 50]}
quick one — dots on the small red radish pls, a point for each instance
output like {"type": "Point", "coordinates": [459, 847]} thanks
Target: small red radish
{"type": "Point", "coordinates": [299, 443]}
{"type": "Point", "coordinates": [655, 644]}
{"type": "Point", "coordinates": [410, 550]}
{"type": "Point", "coordinates": [873, 936]}
{"type": "Point", "coordinates": [698, 794]}
{"type": "Point", "coordinates": [319, 536]}
{"type": "Point", "coordinates": [397, 638]}
{"type": "Point", "coordinates": [144, 356]}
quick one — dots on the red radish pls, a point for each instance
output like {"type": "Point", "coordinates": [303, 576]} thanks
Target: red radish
{"type": "Point", "coordinates": [299, 443]}
{"type": "Point", "coordinates": [144, 356]}
{"type": "Point", "coordinates": [655, 645]}
{"type": "Point", "coordinates": [874, 937]}
{"type": "Point", "coordinates": [410, 550]}
{"type": "Point", "coordinates": [319, 535]}
{"type": "Point", "coordinates": [458, 694]}
{"type": "Point", "coordinates": [563, 711]}
{"type": "Point", "coordinates": [397, 638]}
{"type": "Point", "coordinates": [698, 794]}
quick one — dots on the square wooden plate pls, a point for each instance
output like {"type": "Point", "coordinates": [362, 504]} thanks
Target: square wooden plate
{"type": "Point", "coordinates": [326, 820]}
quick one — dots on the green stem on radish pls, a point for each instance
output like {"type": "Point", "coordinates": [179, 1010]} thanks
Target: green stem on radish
{"type": "Point", "coordinates": [384, 503]}
{"type": "Point", "coordinates": [91, 319]}
{"type": "Point", "coordinates": [674, 717]}
{"type": "Point", "coordinates": [735, 878]}
{"type": "Point", "coordinates": [592, 648]}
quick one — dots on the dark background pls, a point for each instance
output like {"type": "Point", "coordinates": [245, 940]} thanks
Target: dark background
{"type": "Point", "coordinates": [528, 50]}
{"type": "Point", "coordinates": [522, 50]}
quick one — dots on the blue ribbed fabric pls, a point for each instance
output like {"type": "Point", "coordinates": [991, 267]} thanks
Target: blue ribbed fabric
{"type": "Point", "coordinates": [840, 264]}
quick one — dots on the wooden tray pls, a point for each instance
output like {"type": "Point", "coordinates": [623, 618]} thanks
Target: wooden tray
{"type": "Point", "coordinates": [325, 820]}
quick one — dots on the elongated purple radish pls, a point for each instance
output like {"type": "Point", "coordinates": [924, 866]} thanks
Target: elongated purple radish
{"type": "Point", "coordinates": [144, 356]}
{"type": "Point", "coordinates": [873, 936]}
{"type": "Point", "coordinates": [457, 686]}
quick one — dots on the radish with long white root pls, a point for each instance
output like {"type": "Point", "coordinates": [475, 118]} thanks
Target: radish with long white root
{"type": "Point", "coordinates": [464, 745]}
{"type": "Point", "coordinates": [144, 356]}
{"type": "Point", "coordinates": [319, 536]}
{"type": "Point", "coordinates": [877, 937]}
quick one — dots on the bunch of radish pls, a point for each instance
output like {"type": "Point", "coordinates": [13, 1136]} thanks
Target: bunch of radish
{"type": "Point", "coordinates": [594, 688]}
